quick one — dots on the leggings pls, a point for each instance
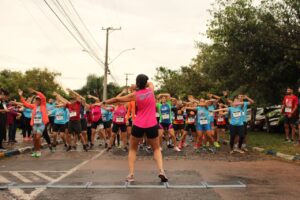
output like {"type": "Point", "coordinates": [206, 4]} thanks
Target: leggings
{"type": "Point", "coordinates": [2, 129]}
{"type": "Point", "coordinates": [12, 128]}
{"type": "Point", "coordinates": [89, 133]}
{"type": "Point", "coordinates": [46, 135]}
{"type": "Point", "coordinates": [26, 127]}
{"type": "Point", "coordinates": [236, 131]}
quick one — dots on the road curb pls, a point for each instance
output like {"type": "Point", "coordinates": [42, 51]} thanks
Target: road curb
{"type": "Point", "coordinates": [22, 150]}
{"type": "Point", "coordinates": [274, 153]}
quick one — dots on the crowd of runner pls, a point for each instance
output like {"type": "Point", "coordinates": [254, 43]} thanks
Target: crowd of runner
{"type": "Point", "coordinates": [198, 122]}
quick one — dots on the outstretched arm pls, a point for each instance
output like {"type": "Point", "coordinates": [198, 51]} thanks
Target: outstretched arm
{"type": "Point", "coordinates": [251, 101]}
{"type": "Point", "coordinates": [60, 98]}
{"type": "Point", "coordinates": [127, 98]}
{"type": "Point", "coordinates": [24, 102]}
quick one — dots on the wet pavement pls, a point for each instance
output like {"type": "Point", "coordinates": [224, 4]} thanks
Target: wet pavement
{"type": "Point", "coordinates": [87, 175]}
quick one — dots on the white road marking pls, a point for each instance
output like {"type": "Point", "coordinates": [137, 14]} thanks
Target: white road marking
{"type": "Point", "coordinates": [3, 180]}
{"type": "Point", "coordinates": [42, 171]}
{"type": "Point", "coordinates": [48, 178]}
{"type": "Point", "coordinates": [21, 177]}
{"type": "Point", "coordinates": [20, 194]}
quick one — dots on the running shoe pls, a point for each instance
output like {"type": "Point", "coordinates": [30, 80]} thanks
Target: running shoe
{"type": "Point", "coordinates": [38, 154]}
{"type": "Point", "coordinates": [163, 177]}
{"type": "Point", "coordinates": [91, 145]}
{"type": "Point", "coordinates": [196, 146]}
{"type": "Point", "coordinates": [85, 148]}
{"type": "Point", "coordinates": [231, 152]}
{"type": "Point", "coordinates": [106, 145]}
{"type": "Point", "coordinates": [33, 154]}
{"type": "Point", "coordinates": [108, 149]}
{"type": "Point", "coordinates": [176, 149]}
{"type": "Point", "coordinates": [180, 146]}
{"type": "Point", "coordinates": [125, 149]}
{"type": "Point", "coordinates": [170, 146]}
{"type": "Point", "coordinates": [287, 140]}
{"type": "Point", "coordinates": [217, 145]}
{"type": "Point", "coordinates": [130, 178]}
{"type": "Point", "coordinates": [149, 149]}
{"type": "Point", "coordinates": [212, 150]}
{"type": "Point", "coordinates": [239, 151]}
{"type": "Point", "coordinates": [69, 148]}
{"type": "Point", "coordinates": [51, 148]}
{"type": "Point", "coordinates": [245, 149]}
{"type": "Point", "coordinates": [74, 147]}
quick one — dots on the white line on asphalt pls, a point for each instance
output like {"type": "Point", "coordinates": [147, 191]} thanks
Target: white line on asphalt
{"type": "Point", "coordinates": [42, 171]}
{"type": "Point", "coordinates": [48, 178]}
{"type": "Point", "coordinates": [3, 180]}
{"type": "Point", "coordinates": [21, 177]}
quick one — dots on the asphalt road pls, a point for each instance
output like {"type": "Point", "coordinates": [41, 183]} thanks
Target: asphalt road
{"type": "Point", "coordinates": [264, 177]}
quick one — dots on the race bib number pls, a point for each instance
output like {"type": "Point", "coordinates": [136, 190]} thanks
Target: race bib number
{"type": "Point", "coordinates": [179, 117]}
{"type": "Point", "coordinates": [37, 121]}
{"type": "Point", "coordinates": [104, 118]}
{"type": "Point", "coordinates": [288, 110]}
{"type": "Point", "coordinates": [220, 119]}
{"type": "Point", "coordinates": [73, 114]}
{"type": "Point", "coordinates": [120, 119]}
{"type": "Point", "coordinates": [165, 116]}
{"type": "Point", "coordinates": [59, 118]}
{"type": "Point", "coordinates": [211, 113]}
{"type": "Point", "coordinates": [4, 106]}
{"type": "Point", "coordinates": [237, 114]}
{"type": "Point", "coordinates": [191, 120]}
{"type": "Point", "coordinates": [203, 121]}
{"type": "Point", "coordinates": [157, 115]}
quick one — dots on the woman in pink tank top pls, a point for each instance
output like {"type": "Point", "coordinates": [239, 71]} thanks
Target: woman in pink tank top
{"type": "Point", "coordinates": [144, 123]}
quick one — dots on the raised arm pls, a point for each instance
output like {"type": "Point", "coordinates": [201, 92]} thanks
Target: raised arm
{"type": "Point", "coordinates": [127, 98]}
{"type": "Point", "coordinates": [24, 102]}
{"type": "Point", "coordinates": [251, 101]}
{"type": "Point", "coordinates": [60, 98]}
{"type": "Point", "coordinates": [213, 96]}
{"type": "Point", "coordinates": [72, 92]}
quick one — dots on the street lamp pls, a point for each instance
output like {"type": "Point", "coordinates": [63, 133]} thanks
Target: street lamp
{"type": "Point", "coordinates": [125, 50]}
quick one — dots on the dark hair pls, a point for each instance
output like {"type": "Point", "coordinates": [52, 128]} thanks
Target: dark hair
{"type": "Point", "coordinates": [141, 81]}
{"type": "Point", "coordinates": [4, 92]}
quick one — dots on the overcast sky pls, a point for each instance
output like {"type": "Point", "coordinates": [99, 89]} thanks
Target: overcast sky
{"type": "Point", "coordinates": [162, 31]}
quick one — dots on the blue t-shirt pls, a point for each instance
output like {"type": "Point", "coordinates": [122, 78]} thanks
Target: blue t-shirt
{"type": "Point", "coordinates": [203, 117]}
{"type": "Point", "coordinates": [211, 108]}
{"type": "Point", "coordinates": [165, 111]}
{"type": "Point", "coordinates": [245, 108]}
{"type": "Point", "coordinates": [38, 117]}
{"type": "Point", "coordinates": [50, 109]}
{"type": "Point", "coordinates": [61, 115]}
{"type": "Point", "coordinates": [27, 113]}
{"type": "Point", "coordinates": [236, 116]}
{"type": "Point", "coordinates": [105, 115]}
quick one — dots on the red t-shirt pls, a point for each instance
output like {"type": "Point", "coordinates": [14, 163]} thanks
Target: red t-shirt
{"type": "Point", "coordinates": [290, 102]}
{"type": "Point", "coordinates": [74, 109]}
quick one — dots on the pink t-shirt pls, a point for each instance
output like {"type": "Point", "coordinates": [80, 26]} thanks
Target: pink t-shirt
{"type": "Point", "coordinates": [120, 114]}
{"type": "Point", "coordinates": [96, 113]}
{"type": "Point", "coordinates": [146, 109]}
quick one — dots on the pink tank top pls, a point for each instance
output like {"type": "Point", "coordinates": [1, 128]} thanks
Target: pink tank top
{"type": "Point", "coordinates": [96, 113]}
{"type": "Point", "coordinates": [146, 109]}
{"type": "Point", "coordinates": [120, 114]}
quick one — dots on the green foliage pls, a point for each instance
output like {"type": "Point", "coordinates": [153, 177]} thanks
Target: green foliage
{"type": "Point", "coordinates": [253, 50]}
{"type": "Point", "coordinates": [40, 79]}
{"type": "Point", "coordinates": [94, 86]}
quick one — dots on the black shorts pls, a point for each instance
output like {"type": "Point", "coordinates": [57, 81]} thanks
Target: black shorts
{"type": "Point", "coordinates": [290, 120]}
{"type": "Point", "coordinates": [96, 124]}
{"type": "Point", "coordinates": [59, 128]}
{"type": "Point", "coordinates": [223, 126]}
{"type": "Point", "coordinates": [178, 127]}
{"type": "Point", "coordinates": [165, 126]}
{"type": "Point", "coordinates": [190, 127]}
{"type": "Point", "coordinates": [83, 124]}
{"type": "Point", "coordinates": [107, 124]}
{"type": "Point", "coordinates": [151, 132]}
{"type": "Point", "coordinates": [116, 127]}
{"type": "Point", "coordinates": [74, 127]}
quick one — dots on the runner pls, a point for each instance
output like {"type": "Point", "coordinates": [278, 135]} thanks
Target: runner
{"type": "Point", "coordinates": [97, 123]}
{"type": "Point", "coordinates": [39, 118]}
{"type": "Point", "coordinates": [107, 121]}
{"type": "Point", "coordinates": [74, 126]}
{"type": "Point", "coordinates": [26, 117]}
{"type": "Point", "coordinates": [211, 107]}
{"type": "Point", "coordinates": [236, 124]}
{"type": "Point", "coordinates": [203, 124]}
{"type": "Point", "coordinates": [247, 102]}
{"type": "Point", "coordinates": [144, 123]}
{"type": "Point", "coordinates": [3, 115]}
{"type": "Point", "coordinates": [221, 123]}
{"type": "Point", "coordinates": [50, 107]}
{"type": "Point", "coordinates": [131, 113]}
{"type": "Point", "coordinates": [289, 109]}
{"type": "Point", "coordinates": [119, 124]}
{"type": "Point", "coordinates": [190, 126]}
{"type": "Point", "coordinates": [165, 121]}
{"type": "Point", "coordinates": [60, 122]}
{"type": "Point", "coordinates": [178, 122]}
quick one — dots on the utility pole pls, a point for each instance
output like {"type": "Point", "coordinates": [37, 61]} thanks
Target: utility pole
{"type": "Point", "coordinates": [127, 74]}
{"type": "Point", "coordinates": [108, 29]}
